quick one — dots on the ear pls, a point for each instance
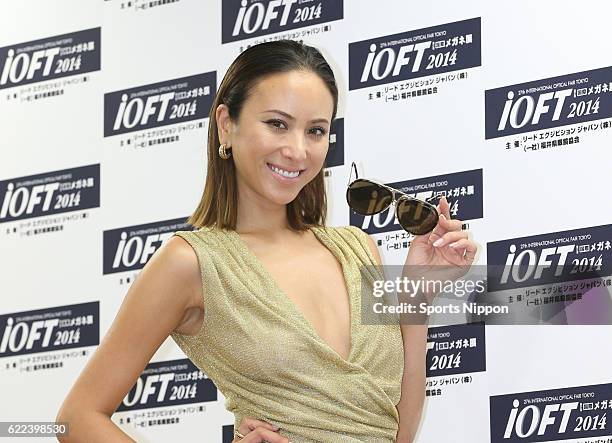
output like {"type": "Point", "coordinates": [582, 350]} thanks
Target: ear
{"type": "Point", "coordinates": [224, 124]}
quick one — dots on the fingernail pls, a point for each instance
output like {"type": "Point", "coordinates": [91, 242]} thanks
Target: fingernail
{"type": "Point", "coordinates": [453, 245]}
{"type": "Point", "coordinates": [443, 216]}
{"type": "Point", "coordinates": [438, 242]}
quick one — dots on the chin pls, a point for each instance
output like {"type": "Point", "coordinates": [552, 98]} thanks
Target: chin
{"type": "Point", "coordinates": [281, 198]}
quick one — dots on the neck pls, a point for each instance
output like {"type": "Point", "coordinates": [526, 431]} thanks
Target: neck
{"type": "Point", "coordinates": [257, 215]}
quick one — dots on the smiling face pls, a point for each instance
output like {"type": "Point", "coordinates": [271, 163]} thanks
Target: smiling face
{"type": "Point", "coordinates": [281, 138]}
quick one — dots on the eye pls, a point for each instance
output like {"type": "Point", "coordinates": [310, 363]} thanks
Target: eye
{"type": "Point", "coordinates": [320, 134]}
{"type": "Point", "coordinates": [274, 124]}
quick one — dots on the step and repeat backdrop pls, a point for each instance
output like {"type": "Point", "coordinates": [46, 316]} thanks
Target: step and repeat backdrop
{"type": "Point", "coordinates": [505, 108]}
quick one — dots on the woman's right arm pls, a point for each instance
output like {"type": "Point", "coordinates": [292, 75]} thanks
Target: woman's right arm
{"type": "Point", "coordinates": [164, 296]}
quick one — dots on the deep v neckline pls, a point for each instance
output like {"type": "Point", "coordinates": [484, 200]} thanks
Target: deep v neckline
{"type": "Point", "coordinates": [322, 237]}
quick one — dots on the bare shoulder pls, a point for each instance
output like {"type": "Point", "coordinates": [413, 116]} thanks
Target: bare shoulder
{"type": "Point", "coordinates": [178, 262]}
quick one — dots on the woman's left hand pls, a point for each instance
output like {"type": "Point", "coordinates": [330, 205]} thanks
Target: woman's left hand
{"type": "Point", "coordinates": [446, 246]}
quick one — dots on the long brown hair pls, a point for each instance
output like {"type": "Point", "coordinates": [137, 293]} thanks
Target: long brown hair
{"type": "Point", "coordinates": [218, 204]}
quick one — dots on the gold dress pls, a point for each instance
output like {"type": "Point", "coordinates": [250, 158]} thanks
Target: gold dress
{"type": "Point", "coordinates": [270, 363]}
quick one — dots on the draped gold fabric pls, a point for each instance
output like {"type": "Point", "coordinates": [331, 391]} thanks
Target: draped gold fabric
{"type": "Point", "coordinates": [269, 362]}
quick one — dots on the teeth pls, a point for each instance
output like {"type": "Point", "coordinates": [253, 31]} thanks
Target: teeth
{"type": "Point", "coordinates": [284, 173]}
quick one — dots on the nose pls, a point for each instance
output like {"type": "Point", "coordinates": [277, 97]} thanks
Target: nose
{"type": "Point", "coordinates": [296, 149]}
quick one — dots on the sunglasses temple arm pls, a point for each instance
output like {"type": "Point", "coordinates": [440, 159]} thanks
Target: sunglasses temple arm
{"type": "Point", "coordinates": [353, 166]}
{"type": "Point", "coordinates": [434, 198]}
{"type": "Point", "coordinates": [428, 199]}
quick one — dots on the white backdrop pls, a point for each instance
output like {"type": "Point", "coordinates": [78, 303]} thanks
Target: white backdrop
{"type": "Point", "coordinates": [426, 129]}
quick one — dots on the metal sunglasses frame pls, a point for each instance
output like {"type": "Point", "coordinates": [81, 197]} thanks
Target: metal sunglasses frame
{"type": "Point", "coordinates": [403, 195]}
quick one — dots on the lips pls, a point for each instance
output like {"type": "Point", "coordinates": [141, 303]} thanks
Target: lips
{"type": "Point", "coordinates": [282, 177]}
{"type": "Point", "coordinates": [284, 168]}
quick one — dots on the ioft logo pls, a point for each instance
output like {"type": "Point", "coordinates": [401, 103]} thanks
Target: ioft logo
{"type": "Point", "coordinates": [25, 66]}
{"type": "Point", "coordinates": [20, 336]}
{"type": "Point", "coordinates": [531, 420]}
{"type": "Point", "coordinates": [137, 250]}
{"type": "Point", "coordinates": [130, 247]}
{"type": "Point", "coordinates": [50, 193]}
{"type": "Point", "coordinates": [536, 262]}
{"type": "Point", "coordinates": [548, 103]}
{"type": "Point", "coordinates": [527, 110]}
{"type": "Point", "coordinates": [24, 201]}
{"type": "Point", "coordinates": [552, 415]}
{"type": "Point", "coordinates": [390, 61]}
{"type": "Point", "coordinates": [158, 104]}
{"type": "Point", "coordinates": [153, 385]}
{"type": "Point", "coordinates": [49, 329]}
{"type": "Point", "coordinates": [544, 259]}
{"type": "Point", "coordinates": [138, 111]}
{"type": "Point", "coordinates": [50, 58]}
{"type": "Point", "coordinates": [443, 360]}
{"type": "Point", "coordinates": [254, 18]}
{"type": "Point", "coordinates": [169, 383]}
{"type": "Point", "coordinates": [258, 16]}
{"type": "Point", "coordinates": [418, 53]}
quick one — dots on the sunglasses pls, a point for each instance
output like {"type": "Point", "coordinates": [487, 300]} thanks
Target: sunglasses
{"type": "Point", "coordinates": [367, 197]}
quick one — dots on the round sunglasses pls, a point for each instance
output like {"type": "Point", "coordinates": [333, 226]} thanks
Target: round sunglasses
{"type": "Point", "coordinates": [367, 197]}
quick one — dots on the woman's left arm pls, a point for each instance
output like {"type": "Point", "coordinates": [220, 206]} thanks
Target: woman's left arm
{"type": "Point", "coordinates": [413, 381]}
{"type": "Point", "coordinates": [447, 247]}
{"type": "Point", "coordinates": [410, 406]}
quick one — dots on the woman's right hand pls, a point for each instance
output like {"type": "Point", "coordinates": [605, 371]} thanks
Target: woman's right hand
{"type": "Point", "coordinates": [258, 431]}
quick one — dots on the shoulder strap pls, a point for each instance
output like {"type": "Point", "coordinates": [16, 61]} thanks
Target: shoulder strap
{"type": "Point", "coordinates": [360, 243]}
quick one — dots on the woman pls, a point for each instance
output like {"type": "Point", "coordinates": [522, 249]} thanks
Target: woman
{"type": "Point", "coordinates": [262, 296]}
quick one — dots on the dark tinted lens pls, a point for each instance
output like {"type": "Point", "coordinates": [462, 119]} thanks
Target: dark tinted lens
{"type": "Point", "coordinates": [416, 216]}
{"type": "Point", "coordinates": [368, 198]}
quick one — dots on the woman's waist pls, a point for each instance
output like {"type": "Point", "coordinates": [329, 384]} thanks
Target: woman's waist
{"type": "Point", "coordinates": [303, 421]}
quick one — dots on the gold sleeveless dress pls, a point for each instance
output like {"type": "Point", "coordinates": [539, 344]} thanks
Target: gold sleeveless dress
{"type": "Point", "coordinates": [269, 362]}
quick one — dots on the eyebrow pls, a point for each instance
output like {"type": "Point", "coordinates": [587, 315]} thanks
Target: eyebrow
{"type": "Point", "coordinates": [290, 117]}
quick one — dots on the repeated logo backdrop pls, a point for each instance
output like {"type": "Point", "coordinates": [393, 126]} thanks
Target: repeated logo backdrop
{"type": "Point", "coordinates": [104, 113]}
